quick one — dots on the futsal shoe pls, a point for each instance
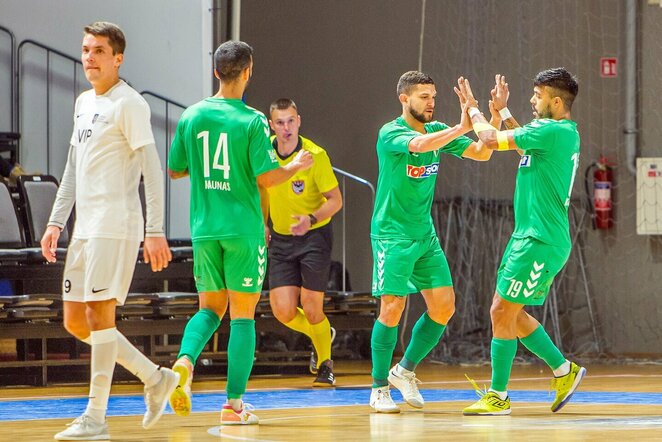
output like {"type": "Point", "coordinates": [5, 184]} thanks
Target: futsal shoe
{"type": "Point", "coordinates": [180, 398]}
{"type": "Point", "coordinates": [381, 401]}
{"type": "Point", "coordinates": [244, 417]}
{"type": "Point", "coordinates": [565, 386]}
{"type": "Point", "coordinates": [325, 377]}
{"type": "Point", "coordinates": [313, 354]}
{"type": "Point", "coordinates": [84, 428]}
{"type": "Point", "coordinates": [489, 404]}
{"type": "Point", "coordinates": [405, 381]}
{"type": "Point", "coordinates": [156, 396]}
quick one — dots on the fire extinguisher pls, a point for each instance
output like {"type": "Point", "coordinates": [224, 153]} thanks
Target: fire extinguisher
{"type": "Point", "coordinates": [600, 198]}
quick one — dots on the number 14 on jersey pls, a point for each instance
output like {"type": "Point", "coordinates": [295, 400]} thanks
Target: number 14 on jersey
{"type": "Point", "coordinates": [221, 155]}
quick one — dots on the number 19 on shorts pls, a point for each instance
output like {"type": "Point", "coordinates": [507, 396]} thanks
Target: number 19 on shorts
{"type": "Point", "coordinates": [515, 288]}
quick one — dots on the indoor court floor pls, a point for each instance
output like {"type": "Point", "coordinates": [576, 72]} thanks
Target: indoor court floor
{"type": "Point", "coordinates": [614, 402]}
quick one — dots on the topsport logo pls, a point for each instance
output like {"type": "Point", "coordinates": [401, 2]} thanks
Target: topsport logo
{"type": "Point", "coordinates": [422, 171]}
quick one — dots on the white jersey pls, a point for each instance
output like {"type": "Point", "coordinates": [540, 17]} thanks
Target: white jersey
{"type": "Point", "coordinates": [108, 129]}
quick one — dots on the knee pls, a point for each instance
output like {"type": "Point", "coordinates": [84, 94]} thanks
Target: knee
{"type": "Point", "coordinates": [389, 314]}
{"type": "Point", "coordinates": [314, 313]}
{"type": "Point", "coordinates": [77, 329]}
{"type": "Point", "coordinates": [442, 313]}
{"type": "Point", "coordinates": [284, 313]}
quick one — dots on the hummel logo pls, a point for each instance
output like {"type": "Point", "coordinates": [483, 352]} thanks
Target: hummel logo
{"type": "Point", "coordinates": [247, 282]}
{"type": "Point", "coordinates": [97, 291]}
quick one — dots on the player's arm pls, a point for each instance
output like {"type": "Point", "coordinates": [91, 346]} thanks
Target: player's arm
{"type": "Point", "coordinates": [62, 206]}
{"type": "Point", "coordinates": [436, 140]}
{"type": "Point", "coordinates": [177, 175]}
{"type": "Point", "coordinates": [477, 150]}
{"type": "Point", "coordinates": [264, 207]}
{"type": "Point", "coordinates": [492, 138]}
{"type": "Point", "coordinates": [302, 161]}
{"type": "Point", "coordinates": [156, 249]}
{"type": "Point", "coordinates": [329, 208]}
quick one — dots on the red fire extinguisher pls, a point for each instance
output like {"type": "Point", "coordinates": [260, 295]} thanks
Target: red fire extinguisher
{"type": "Point", "coordinates": [602, 194]}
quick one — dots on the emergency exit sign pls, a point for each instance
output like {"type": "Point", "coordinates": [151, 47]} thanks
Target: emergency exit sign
{"type": "Point", "coordinates": [608, 67]}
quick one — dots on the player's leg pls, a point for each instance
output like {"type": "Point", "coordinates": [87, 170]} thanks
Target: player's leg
{"type": "Point", "coordinates": [393, 263]}
{"type": "Point", "coordinates": [285, 283]}
{"type": "Point", "coordinates": [213, 301]}
{"type": "Point", "coordinates": [244, 267]}
{"type": "Point", "coordinates": [567, 375]}
{"type": "Point", "coordinates": [431, 274]}
{"type": "Point", "coordinates": [315, 265]}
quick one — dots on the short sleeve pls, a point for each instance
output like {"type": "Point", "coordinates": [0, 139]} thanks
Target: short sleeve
{"type": "Point", "coordinates": [395, 139]}
{"type": "Point", "coordinates": [134, 122]}
{"type": "Point", "coordinates": [177, 159]}
{"type": "Point", "coordinates": [538, 135]}
{"type": "Point", "coordinates": [325, 178]}
{"type": "Point", "coordinates": [261, 155]}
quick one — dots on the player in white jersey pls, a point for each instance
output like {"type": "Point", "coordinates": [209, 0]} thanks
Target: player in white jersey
{"type": "Point", "coordinates": [111, 147]}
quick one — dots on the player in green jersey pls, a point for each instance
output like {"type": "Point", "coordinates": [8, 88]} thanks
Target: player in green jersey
{"type": "Point", "coordinates": [540, 244]}
{"type": "Point", "coordinates": [406, 251]}
{"type": "Point", "coordinates": [223, 145]}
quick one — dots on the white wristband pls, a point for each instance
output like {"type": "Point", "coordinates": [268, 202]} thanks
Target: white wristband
{"type": "Point", "coordinates": [505, 113]}
{"type": "Point", "coordinates": [473, 111]}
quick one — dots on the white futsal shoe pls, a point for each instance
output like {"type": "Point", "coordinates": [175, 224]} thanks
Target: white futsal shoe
{"type": "Point", "coordinates": [84, 428]}
{"type": "Point", "coordinates": [381, 401]}
{"type": "Point", "coordinates": [405, 381]}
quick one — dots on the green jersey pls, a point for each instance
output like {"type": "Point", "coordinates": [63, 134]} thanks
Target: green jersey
{"type": "Point", "coordinates": [544, 180]}
{"type": "Point", "coordinates": [224, 145]}
{"type": "Point", "coordinates": [405, 187]}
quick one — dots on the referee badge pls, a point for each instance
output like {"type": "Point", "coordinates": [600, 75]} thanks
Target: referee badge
{"type": "Point", "coordinates": [297, 186]}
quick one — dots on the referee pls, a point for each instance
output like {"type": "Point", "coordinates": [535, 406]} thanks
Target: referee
{"type": "Point", "coordinates": [301, 238]}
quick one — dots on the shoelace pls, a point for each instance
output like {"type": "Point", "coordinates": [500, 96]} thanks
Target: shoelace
{"type": "Point", "coordinates": [412, 381]}
{"type": "Point", "coordinates": [479, 392]}
{"type": "Point", "coordinates": [83, 419]}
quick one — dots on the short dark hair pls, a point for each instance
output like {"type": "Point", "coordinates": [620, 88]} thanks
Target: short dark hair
{"type": "Point", "coordinates": [563, 82]}
{"type": "Point", "coordinates": [231, 58]}
{"type": "Point", "coordinates": [410, 79]}
{"type": "Point", "coordinates": [115, 35]}
{"type": "Point", "coordinates": [282, 104]}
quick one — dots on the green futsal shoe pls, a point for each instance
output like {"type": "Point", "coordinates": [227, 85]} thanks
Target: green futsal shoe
{"type": "Point", "coordinates": [565, 386]}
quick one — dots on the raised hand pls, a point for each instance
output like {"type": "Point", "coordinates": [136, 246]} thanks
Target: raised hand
{"type": "Point", "coordinates": [500, 92]}
{"type": "Point", "coordinates": [464, 90]}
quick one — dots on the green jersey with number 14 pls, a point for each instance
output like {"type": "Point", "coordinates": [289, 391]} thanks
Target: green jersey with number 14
{"type": "Point", "coordinates": [224, 145]}
{"type": "Point", "coordinates": [544, 180]}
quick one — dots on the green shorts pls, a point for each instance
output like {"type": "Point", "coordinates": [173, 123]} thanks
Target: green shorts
{"type": "Point", "coordinates": [527, 270]}
{"type": "Point", "coordinates": [404, 266]}
{"type": "Point", "coordinates": [237, 264]}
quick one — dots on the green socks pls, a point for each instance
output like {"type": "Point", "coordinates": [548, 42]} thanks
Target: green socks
{"type": "Point", "coordinates": [383, 343]}
{"type": "Point", "coordinates": [503, 353]}
{"type": "Point", "coordinates": [540, 344]}
{"type": "Point", "coordinates": [241, 352]}
{"type": "Point", "coordinates": [424, 337]}
{"type": "Point", "coordinates": [198, 330]}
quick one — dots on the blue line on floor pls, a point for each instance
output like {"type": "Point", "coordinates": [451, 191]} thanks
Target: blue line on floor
{"type": "Point", "coordinates": [50, 408]}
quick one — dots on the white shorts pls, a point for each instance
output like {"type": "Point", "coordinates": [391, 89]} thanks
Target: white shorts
{"type": "Point", "coordinates": [99, 269]}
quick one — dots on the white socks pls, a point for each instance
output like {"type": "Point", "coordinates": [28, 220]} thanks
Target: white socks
{"type": "Point", "coordinates": [562, 370]}
{"type": "Point", "coordinates": [104, 356]}
{"type": "Point", "coordinates": [133, 360]}
{"type": "Point", "coordinates": [503, 395]}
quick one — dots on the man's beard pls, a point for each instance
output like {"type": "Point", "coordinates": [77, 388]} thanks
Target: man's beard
{"type": "Point", "coordinates": [420, 116]}
{"type": "Point", "coordinates": [544, 113]}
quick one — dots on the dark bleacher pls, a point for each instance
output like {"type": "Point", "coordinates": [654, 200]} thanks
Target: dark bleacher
{"type": "Point", "coordinates": [154, 315]}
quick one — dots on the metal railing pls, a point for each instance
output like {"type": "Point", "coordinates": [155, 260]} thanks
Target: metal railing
{"type": "Point", "coordinates": [346, 175]}
{"type": "Point", "coordinates": [12, 78]}
{"type": "Point", "coordinates": [167, 102]}
{"type": "Point", "coordinates": [76, 63]}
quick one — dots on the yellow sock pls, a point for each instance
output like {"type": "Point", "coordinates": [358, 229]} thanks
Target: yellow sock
{"type": "Point", "coordinates": [301, 324]}
{"type": "Point", "coordinates": [321, 337]}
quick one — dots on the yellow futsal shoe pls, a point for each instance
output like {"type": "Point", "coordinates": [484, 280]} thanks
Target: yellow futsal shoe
{"type": "Point", "coordinates": [565, 386]}
{"type": "Point", "coordinates": [180, 399]}
{"type": "Point", "coordinates": [489, 404]}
